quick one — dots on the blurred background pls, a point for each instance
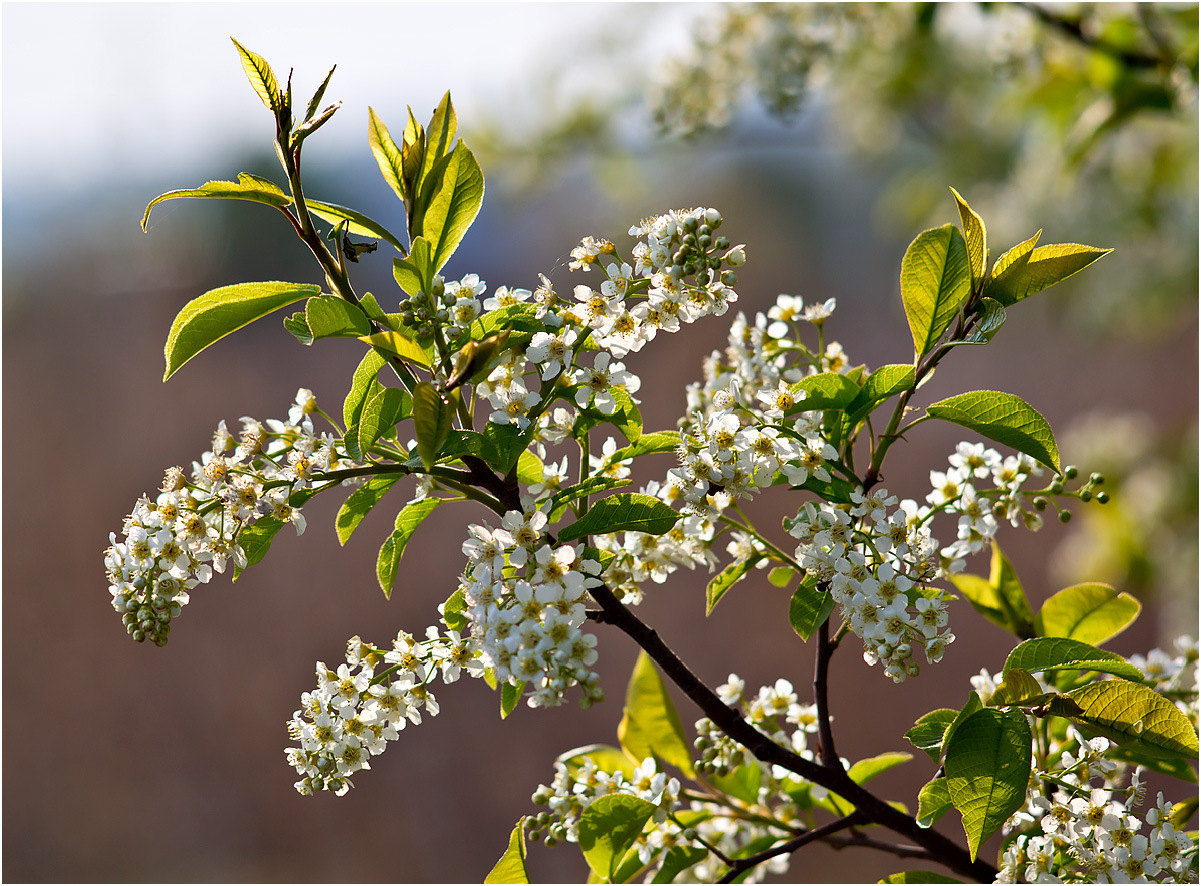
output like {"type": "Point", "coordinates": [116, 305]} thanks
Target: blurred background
{"type": "Point", "coordinates": [826, 134]}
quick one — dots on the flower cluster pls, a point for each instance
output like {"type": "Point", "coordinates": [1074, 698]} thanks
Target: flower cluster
{"type": "Point", "coordinates": [577, 783]}
{"type": "Point", "coordinates": [525, 606]}
{"type": "Point", "coordinates": [730, 813]}
{"type": "Point", "coordinates": [193, 528]}
{"type": "Point", "coordinates": [877, 564]}
{"type": "Point", "coordinates": [354, 711]}
{"type": "Point", "coordinates": [681, 266]}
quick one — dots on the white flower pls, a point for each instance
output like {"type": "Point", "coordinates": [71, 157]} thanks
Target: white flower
{"type": "Point", "coordinates": [597, 384]}
{"type": "Point", "coordinates": [551, 352]}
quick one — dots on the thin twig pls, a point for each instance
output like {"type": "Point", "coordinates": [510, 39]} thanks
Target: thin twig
{"type": "Point", "coordinates": [741, 865]}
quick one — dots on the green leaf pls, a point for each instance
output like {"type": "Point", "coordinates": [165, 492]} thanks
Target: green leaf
{"type": "Point", "coordinates": [1001, 598]}
{"type": "Point", "coordinates": [886, 381]}
{"type": "Point", "coordinates": [360, 386]}
{"type": "Point", "coordinates": [386, 153]}
{"type": "Point", "coordinates": [988, 766]}
{"type": "Point", "coordinates": [1136, 717]}
{"type": "Point", "coordinates": [456, 189]}
{"type": "Point", "coordinates": [935, 281]}
{"type": "Point", "coordinates": [399, 345]}
{"type": "Point", "coordinates": [256, 539]}
{"type": "Point", "coordinates": [214, 315]}
{"type": "Point", "coordinates": [678, 859]}
{"type": "Point", "coordinates": [809, 607]}
{"type": "Point", "coordinates": [299, 327]}
{"type": "Point", "coordinates": [918, 877]}
{"type": "Point", "coordinates": [381, 412]}
{"type": "Point", "coordinates": [991, 317]}
{"type": "Point", "coordinates": [530, 468]}
{"type": "Point", "coordinates": [453, 609]}
{"type": "Point", "coordinates": [1055, 653]}
{"type": "Point", "coordinates": [865, 770]}
{"type": "Point", "coordinates": [1018, 687]}
{"type": "Point", "coordinates": [315, 101]}
{"type": "Point", "coordinates": [431, 421]}
{"type": "Point", "coordinates": [1044, 267]}
{"type": "Point", "coordinates": [247, 187]}
{"type": "Point", "coordinates": [604, 757]}
{"type": "Point", "coordinates": [329, 315]}
{"type": "Point", "coordinates": [726, 579]}
{"type": "Point", "coordinates": [824, 390]}
{"type": "Point", "coordinates": [933, 802]}
{"type": "Point", "coordinates": [930, 729]}
{"type": "Point", "coordinates": [1008, 269]}
{"type": "Point", "coordinates": [743, 783]}
{"type": "Point", "coordinates": [1091, 612]}
{"type": "Point", "coordinates": [608, 828]}
{"type": "Point", "coordinates": [650, 724]}
{"type": "Point", "coordinates": [510, 695]}
{"type": "Point", "coordinates": [358, 224]}
{"type": "Point", "coordinates": [627, 418]}
{"type": "Point", "coordinates": [360, 502]}
{"type": "Point", "coordinates": [440, 134]}
{"type": "Point", "coordinates": [415, 273]}
{"type": "Point", "coordinates": [975, 237]}
{"type": "Point", "coordinates": [973, 704]}
{"type": "Point", "coordinates": [657, 441]}
{"type": "Point", "coordinates": [591, 486]}
{"type": "Point", "coordinates": [1005, 418]}
{"type": "Point", "coordinates": [511, 867]}
{"type": "Point", "coordinates": [261, 77]}
{"type": "Point", "coordinates": [407, 521]}
{"type": "Point", "coordinates": [781, 576]}
{"type": "Point", "coordinates": [629, 511]}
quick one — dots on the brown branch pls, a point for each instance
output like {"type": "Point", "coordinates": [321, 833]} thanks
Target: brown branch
{"type": "Point", "coordinates": [872, 808]}
{"type": "Point", "coordinates": [740, 865]}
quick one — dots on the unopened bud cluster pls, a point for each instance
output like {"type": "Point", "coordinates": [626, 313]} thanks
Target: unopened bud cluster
{"type": "Point", "coordinates": [192, 528]}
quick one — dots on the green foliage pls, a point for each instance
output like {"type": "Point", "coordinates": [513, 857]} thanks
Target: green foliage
{"type": "Point", "coordinates": [214, 315]}
{"type": "Point", "coordinates": [407, 521]}
{"type": "Point", "coordinates": [628, 511]}
{"type": "Point", "coordinates": [933, 801]}
{"type": "Point", "coordinates": [256, 539]}
{"type": "Point", "coordinates": [650, 725]}
{"type": "Point", "coordinates": [1004, 418]}
{"type": "Point", "coordinates": [928, 732]}
{"type": "Point", "coordinates": [360, 502]}
{"type": "Point", "coordinates": [456, 192]}
{"type": "Point", "coordinates": [1136, 717]}
{"type": "Point", "coordinates": [726, 579]}
{"type": "Point", "coordinates": [608, 829]}
{"type": "Point", "coordinates": [431, 422]}
{"type": "Point", "coordinates": [1000, 598]}
{"type": "Point", "coordinates": [935, 281]}
{"type": "Point", "coordinates": [918, 877]}
{"type": "Point", "coordinates": [1091, 613]}
{"type": "Point", "coordinates": [248, 187]}
{"type": "Point", "coordinates": [1057, 653]}
{"type": "Point", "coordinates": [987, 766]}
{"type": "Point", "coordinates": [975, 239]}
{"type": "Point", "coordinates": [262, 78]}
{"type": "Point", "coordinates": [810, 606]}
{"type": "Point", "coordinates": [511, 866]}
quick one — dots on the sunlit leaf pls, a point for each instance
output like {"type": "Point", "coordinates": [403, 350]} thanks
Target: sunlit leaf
{"type": "Point", "coordinates": [988, 767]}
{"type": "Point", "coordinates": [407, 521]}
{"type": "Point", "coordinates": [247, 187]}
{"type": "Point", "coordinates": [1056, 653]}
{"type": "Point", "coordinates": [511, 867]}
{"type": "Point", "coordinates": [214, 315]}
{"type": "Point", "coordinates": [628, 511]}
{"type": "Point", "coordinates": [975, 237]}
{"type": "Point", "coordinates": [1004, 418]}
{"type": "Point", "coordinates": [1091, 613]}
{"type": "Point", "coordinates": [608, 828]}
{"type": "Point", "coordinates": [935, 281]}
{"type": "Point", "coordinates": [1137, 717]}
{"type": "Point", "coordinates": [650, 724]}
{"type": "Point", "coordinates": [360, 502]}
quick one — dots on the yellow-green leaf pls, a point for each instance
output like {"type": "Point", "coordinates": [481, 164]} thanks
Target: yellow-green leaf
{"type": "Point", "coordinates": [398, 345]}
{"type": "Point", "coordinates": [214, 315]}
{"type": "Point", "coordinates": [1044, 267]}
{"type": "Point", "coordinates": [935, 281]}
{"type": "Point", "coordinates": [511, 866]}
{"type": "Point", "coordinates": [386, 153]}
{"type": "Point", "coordinates": [650, 725]}
{"type": "Point", "coordinates": [1091, 612]}
{"type": "Point", "coordinates": [1005, 418]}
{"type": "Point", "coordinates": [456, 190]}
{"type": "Point", "coordinates": [261, 77]}
{"type": "Point", "coordinates": [247, 187]}
{"type": "Point", "coordinates": [975, 237]}
{"type": "Point", "coordinates": [1137, 717]}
